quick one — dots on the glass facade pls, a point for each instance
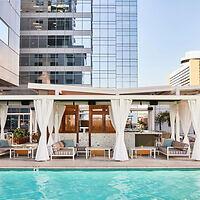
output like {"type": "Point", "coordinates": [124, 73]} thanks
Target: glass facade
{"type": "Point", "coordinates": [115, 43]}
{"type": "Point", "coordinates": [3, 32]}
{"type": "Point", "coordinates": [60, 77]}
{"type": "Point", "coordinates": [55, 60]}
{"type": "Point", "coordinates": [99, 35]}
{"type": "Point", "coordinates": [56, 42]}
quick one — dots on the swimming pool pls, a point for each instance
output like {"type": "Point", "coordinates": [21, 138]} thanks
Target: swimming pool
{"type": "Point", "coordinates": [100, 184]}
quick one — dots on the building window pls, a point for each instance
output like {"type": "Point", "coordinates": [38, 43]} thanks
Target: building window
{"type": "Point", "coordinates": [3, 32]}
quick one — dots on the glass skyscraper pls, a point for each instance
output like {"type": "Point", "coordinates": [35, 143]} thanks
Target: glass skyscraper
{"type": "Point", "coordinates": [79, 42]}
{"type": "Point", "coordinates": [114, 43]}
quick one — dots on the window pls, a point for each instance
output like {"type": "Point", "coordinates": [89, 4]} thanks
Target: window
{"type": "Point", "coordinates": [3, 32]}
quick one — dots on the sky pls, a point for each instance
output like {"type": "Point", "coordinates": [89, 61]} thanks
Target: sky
{"type": "Point", "coordinates": [166, 30]}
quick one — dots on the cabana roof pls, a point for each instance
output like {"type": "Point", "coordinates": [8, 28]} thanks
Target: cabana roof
{"type": "Point", "coordinates": [82, 90]}
{"type": "Point", "coordinates": [76, 93]}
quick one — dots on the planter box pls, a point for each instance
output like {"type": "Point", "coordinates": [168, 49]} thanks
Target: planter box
{"type": "Point", "coordinates": [21, 140]}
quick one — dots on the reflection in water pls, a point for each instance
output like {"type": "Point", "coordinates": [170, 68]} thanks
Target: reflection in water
{"type": "Point", "coordinates": [120, 184]}
{"type": "Point", "coordinates": [42, 184]}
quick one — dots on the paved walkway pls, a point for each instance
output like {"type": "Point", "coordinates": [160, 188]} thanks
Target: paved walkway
{"type": "Point", "coordinates": [99, 162]}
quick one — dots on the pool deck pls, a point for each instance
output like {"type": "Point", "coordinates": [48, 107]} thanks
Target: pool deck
{"type": "Point", "coordinates": [99, 163]}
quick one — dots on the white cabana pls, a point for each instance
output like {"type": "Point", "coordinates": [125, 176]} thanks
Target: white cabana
{"type": "Point", "coordinates": [43, 109]}
{"type": "Point", "coordinates": [119, 107]}
{"type": "Point", "coordinates": [195, 113]}
{"type": "Point", "coordinates": [185, 118]}
{"type": "Point", "coordinates": [59, 111]}
{"type": "Point", "coordinates": [119, 114]}
{"type": "Point", "coordinates": [172, 119]}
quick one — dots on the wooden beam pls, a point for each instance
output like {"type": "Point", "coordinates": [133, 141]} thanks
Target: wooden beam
{"type": "Point", "coordinates": [90, 124]}
{"type": "Point", "coordinates": [104, 120]}
{"type": "Point", "coordinates": [77, 122]}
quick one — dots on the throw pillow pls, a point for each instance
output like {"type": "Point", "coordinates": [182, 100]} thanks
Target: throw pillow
{"type": "Point", "coordinates": [167, 143]}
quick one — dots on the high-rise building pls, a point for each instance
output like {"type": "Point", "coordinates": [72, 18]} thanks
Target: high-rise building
{"type": "Point", "coordinates": [9, 42]}
{"type": "Point", "coordinates": [189, 71]}
{"type": "Point", "coordinates": [55, 42]}
{"type": "Point", "coordinates": [114, 55]}
{"type": "Point", "coordinates": [79, 42]}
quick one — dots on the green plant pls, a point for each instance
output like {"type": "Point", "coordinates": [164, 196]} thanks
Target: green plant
{"type": "Point", "coordinates": [20, 133]}
{"type": "Point", "coordinates": [161, 118]}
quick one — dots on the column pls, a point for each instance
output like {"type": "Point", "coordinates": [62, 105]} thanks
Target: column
{"type": "Point", "coordinates": [18, 121]}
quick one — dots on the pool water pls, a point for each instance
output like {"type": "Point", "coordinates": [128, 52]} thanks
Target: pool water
{"type": "Point", "coordinates": [100, 184]}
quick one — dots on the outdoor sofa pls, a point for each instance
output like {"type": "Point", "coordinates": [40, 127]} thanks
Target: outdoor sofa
{"type": "Point", "coordinates": [174, 149]}
{"type": "Point", "coordinates": [64, 148]}
{"type": "Point", "coordinates": [4, 147]}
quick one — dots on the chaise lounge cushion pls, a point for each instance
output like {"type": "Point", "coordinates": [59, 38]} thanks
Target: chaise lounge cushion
{"type": "Point", "coordinates": [173, 150]}
{"type": "Point", "coordinates": [57, 146]}
{"type": "Point", "coordinates": [4, 150]}
{"type": "Point", "coordinates": [179, 145]}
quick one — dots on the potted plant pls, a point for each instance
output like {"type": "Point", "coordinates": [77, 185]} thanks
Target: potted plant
{"type": "Point", "coordinates": [20, 136]}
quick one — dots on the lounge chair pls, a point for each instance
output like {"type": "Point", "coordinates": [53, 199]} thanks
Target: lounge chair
{"type": "Point", "coordinates": [4, 147]}
{"type": "Point", "coordinates": [174, 148]}
{"type": "Point", "coordinates": [64, 148]}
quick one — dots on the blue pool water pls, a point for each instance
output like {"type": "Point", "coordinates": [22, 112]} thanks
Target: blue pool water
{"type": "Point", "coordinates": [100, 184]}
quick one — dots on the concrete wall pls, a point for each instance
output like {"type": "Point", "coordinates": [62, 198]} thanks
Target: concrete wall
{"type": "Point", "coordinates": [9, 54]}
{"type": "Point", "coordinates": [100, 139]}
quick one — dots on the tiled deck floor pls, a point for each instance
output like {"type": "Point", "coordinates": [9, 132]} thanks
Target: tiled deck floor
{"type": "Point", "coordinates": [99, 162]}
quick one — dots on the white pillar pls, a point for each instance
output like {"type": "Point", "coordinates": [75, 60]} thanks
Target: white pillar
{"type": "Point", "coordinates": [151, 119]}
{"type": "Point", "coordinates": [177, 124]}
{"type": "Point", "coordinates": [31, 125]}
{"type": "Point", "coordinates": [18, 121]}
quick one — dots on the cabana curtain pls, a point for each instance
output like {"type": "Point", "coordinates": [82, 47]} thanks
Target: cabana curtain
{"type": "Point", "coordinates": [173, 111]}
{"type": "Point", "coordinates": [3, 117]}
{"type": "Point", "coordinates": [111, 117]}
{"type": "Point", "coordinates": [185, 118]}
{"type": "Point", "coordinates": [195, 113]}
{"type": "Point", "coordinates": [50, 127]}
{"type": "Point", "coordinates": [34, 121]}
{"type": "Point", "coordinates": [59, 111]}
{"type": "Point", "coordinates": [43, 110]}
{"type": "Point", "coordinates": [119, 114]}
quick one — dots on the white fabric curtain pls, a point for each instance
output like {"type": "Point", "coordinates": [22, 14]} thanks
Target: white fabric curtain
{"type": "Point", "coordinates": [50, 127]}
{"type": "Point", "coordinates": [3, 117]}
{"type": "Point", "coordinates": [34, 121]}
{"type": "Point", "coordinates": [185, 118]}
{"type": "Point", "coordinates": [43, 110]}
{"type": "Point", "coordinates": [111, 118]}
{"type": "Point", "coordinates": [172, 113]}
{"type": "Point", "coordinates": [195, 113]}
{"type": "Point", "coordinates": [59, 111]}
{"type": "Point", "coordinates": [119, 114]}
